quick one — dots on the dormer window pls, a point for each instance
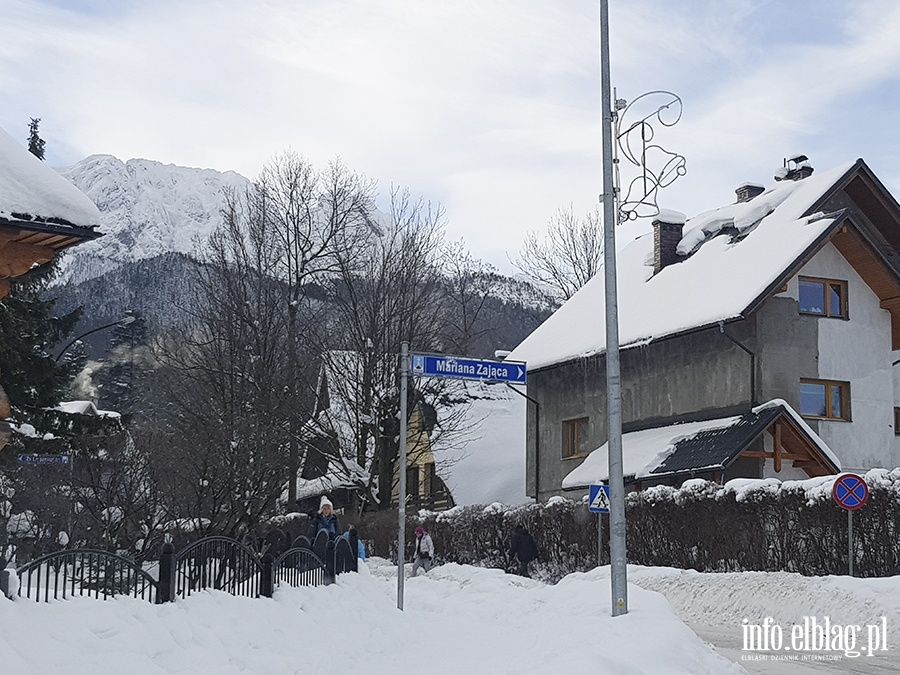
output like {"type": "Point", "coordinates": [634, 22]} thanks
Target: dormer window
{"type": "Point", "coordinates": [823, 297]}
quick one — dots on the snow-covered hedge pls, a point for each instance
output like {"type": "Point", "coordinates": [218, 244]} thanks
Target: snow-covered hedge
{"type": "Point", "coordinates": [766, 525]}
{"type": "Point", "coordinates": [744, 525]}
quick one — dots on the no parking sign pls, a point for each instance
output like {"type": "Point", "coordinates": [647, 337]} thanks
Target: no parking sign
{"type": "Point", "coordinates": [850, 492]}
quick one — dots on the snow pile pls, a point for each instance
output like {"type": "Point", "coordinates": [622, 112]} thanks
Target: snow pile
{"type": "Point", "coordinates": [28, 187]}
{"type": "Point", "coordinates": [725, 599]}
{"type": "Point", "coordinates": [457, 619]}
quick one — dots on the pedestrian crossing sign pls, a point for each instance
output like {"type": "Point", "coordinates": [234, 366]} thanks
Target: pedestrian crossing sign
{"type": "Point", "coordinates": [598, 499]}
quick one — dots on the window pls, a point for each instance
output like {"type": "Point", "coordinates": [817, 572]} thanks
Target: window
{"type": "Point", "coordinates": [825, 297]}
{"type": "Point", "coordinates": [825, 399]}
{"type": "Point", "coordinates": [897, 421]}
{"type": "Point", "coordinates": [412, 481]}
{"type": "Point", "coordinates": [574, 437]}
{"type": "Point", "coordinates": [430, 480]}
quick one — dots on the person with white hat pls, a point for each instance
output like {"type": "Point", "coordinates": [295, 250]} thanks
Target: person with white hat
{"type": "Point", "coordinates": [325, 520]}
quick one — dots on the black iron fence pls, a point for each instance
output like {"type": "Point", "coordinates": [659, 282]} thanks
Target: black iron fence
{"type": "Point", "coordinates": [211, 563]}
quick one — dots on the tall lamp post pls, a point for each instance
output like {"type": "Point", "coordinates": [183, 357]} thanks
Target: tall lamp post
{"type": "Point", "coordinates": [619, 584]}
{"type": "Point", "coordinates": [124, 321]}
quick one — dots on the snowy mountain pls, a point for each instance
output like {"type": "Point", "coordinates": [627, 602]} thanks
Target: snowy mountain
{"type": "Point", "coordinates": [148, 209]}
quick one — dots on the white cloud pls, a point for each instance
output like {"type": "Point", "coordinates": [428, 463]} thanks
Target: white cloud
{"type": "Point", "coordinates": [491, 108]}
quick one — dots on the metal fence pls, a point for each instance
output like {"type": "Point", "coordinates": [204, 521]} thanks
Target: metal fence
{"type": "Point", "coordinates": [84, 572]}
{"type": "Point", "coordinates": [219, 563]}
{"type": "Point", "coordinates": [211, 563]}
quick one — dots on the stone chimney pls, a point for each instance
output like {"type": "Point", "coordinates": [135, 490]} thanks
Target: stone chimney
{"type": "Point", "coordinates": [667, 232]}
{"type": "Point", "coordinates": [748, 191]}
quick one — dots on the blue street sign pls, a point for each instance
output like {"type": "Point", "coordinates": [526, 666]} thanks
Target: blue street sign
{"type": "Point", "coordinates": [850, 491]}
{"type": "Point", "coordinates": [598, 499]}
{"type": "Point", "coordinates": [43, 459]}
{"type": "Point", "coordinates": [430, 365]}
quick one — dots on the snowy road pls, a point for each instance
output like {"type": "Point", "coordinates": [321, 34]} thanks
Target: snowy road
{"type": "Point", "coordinates": [716, 605]}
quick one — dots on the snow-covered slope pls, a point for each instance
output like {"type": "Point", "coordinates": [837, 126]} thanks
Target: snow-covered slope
{"type": "Point", "coordinates": [147, 208]}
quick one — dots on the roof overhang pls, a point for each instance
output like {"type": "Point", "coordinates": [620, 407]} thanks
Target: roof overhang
{"type": "Point", "coordinates": [718, 443]}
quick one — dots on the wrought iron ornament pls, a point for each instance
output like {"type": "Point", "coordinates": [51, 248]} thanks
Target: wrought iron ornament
{"type": "Point", "coordinates": [635, 138]}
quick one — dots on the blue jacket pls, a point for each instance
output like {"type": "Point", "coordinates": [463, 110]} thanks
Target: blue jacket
{"type": "Point", "coordinates": [360, 547]}
{"type": "Point", "coordinates": [328, 523]}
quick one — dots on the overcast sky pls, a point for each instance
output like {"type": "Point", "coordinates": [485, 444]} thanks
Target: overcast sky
{"type": "Point", "coordinates": [489, 107]}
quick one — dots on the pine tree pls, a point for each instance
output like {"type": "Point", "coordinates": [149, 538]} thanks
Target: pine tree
{"type": "Point", "coordinates": [35, 142]}
{"type": "Point", "coordinates": [29, 330]}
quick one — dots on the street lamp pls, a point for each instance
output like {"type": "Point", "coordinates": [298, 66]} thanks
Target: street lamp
{"type": "Point", "coordinates": [124, 321]}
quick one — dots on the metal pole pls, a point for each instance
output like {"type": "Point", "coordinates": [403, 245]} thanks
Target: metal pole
{"type": "Point", "coordinates": [599, 539]}
{"type": "Point", "coordinates": [850, 539]}
{"type": "Point", "coordinates": [619, 583]}
{"type": "Point", "coordinates": [401, 497]}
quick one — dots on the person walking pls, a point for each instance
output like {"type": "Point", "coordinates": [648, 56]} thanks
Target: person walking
{"type": "Point", "coordinates": [325, 520]}
{"type": "Point", "coordinates": [523, 549]}
{"type": "Point", "coordinates": [424, 551]}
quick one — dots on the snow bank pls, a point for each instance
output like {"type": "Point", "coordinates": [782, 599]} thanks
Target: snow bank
{"type": "Point", "coordinates": [458, 619]}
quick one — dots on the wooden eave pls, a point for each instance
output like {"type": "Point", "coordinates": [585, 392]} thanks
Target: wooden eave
{"type": "Point", "coordinates": [878, 276]}
{"type": "Point", "coordinates": [791, 444]}
{"type": "Point", "coordinates": [24, 244]}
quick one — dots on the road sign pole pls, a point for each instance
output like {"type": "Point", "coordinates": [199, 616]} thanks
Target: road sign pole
{"type": "Point", "coordinates": [599, 539]}
{"type": "Point", "coordinates": [401, 496]}
{"type": "Point", "coordinates": [850, 540]}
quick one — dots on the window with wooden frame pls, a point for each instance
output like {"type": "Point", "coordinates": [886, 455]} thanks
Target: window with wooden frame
{"type": "Point", "coordinates": [574, 438]}
{"type": "Point", "coordinates": [823, 297]}
{"type": "Point", "coordinates": [896, 421]}
{"type": "Point", "coordinates": [825, 399]}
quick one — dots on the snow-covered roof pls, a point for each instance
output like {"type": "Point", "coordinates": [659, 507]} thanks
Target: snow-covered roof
{"type": "Point", "coordinates": [645, 452]}
{"type": "Point", "coordinates": [84, 408]}
{"type": "Point", "coordinates": [721, 279]}
{"type": "Point", "coordinates": [487, 464]}
{"type": "Point", "coordinates": [30, 188]}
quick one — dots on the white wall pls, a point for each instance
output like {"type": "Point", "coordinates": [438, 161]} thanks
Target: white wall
{"type": "Point", "coordinates": [858, 351]}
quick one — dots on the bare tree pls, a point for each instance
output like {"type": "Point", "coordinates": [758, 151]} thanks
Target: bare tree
{"type": "Point", "coordinates": [469, 282]}
{"type": "Point", "coordinates": [395, 292]}
{"type": "Point", "coordinates": [568, 256]}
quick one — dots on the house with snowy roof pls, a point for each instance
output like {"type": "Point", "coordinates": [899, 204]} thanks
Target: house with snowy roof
{"type": "Point", "coordinates": [466, 450]}
{"type": "Point", "coordinates": [41, 213]}
{"type": "Point", "coordinates": [757, 340]}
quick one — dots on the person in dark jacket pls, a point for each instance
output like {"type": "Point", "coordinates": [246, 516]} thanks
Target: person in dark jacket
{"type": "Point", "coordinates": [523, 549]}
{"type": "Point", "coordinates": [325, 520]}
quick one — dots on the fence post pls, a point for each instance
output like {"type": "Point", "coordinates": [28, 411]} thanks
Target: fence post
{"type": "Point", "coordinates": [354, 550]}
{"type": "Point", "coordinates": [329, 562]}
{"type": "Point", "coordinates": [4, 581]}
{"type": "Point", "coordinates": [267, 576]}
{"type": "Point", "coordinates": [165, 589]}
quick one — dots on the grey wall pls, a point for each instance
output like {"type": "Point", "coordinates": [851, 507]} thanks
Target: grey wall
{"type": "Point", "coordinates": [694, 374]}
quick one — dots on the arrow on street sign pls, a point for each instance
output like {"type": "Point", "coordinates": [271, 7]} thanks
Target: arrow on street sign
{"type": "Point", "coordinates": [43, 459]}
{"type": "Point", "coordinates": [598, 499]}
{"type": "Point", "coordinates": [431, 365]}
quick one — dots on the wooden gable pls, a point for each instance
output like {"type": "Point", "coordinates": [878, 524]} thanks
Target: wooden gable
{"type": "Point", "coordinates": [792, 444]}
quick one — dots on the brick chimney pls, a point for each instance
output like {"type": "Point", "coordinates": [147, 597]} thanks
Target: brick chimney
{"type": "Point", "coordinates": [667, 232]}
{"type": "Point", "coordinates": [748, 191]}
